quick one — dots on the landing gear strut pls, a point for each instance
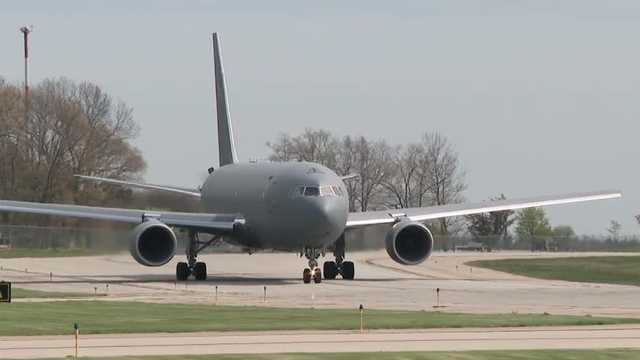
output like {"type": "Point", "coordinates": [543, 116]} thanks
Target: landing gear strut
{"type": "Point", "coordinates": [312, 272]}
{"type": "Point", "coordinates": [193, 266]}
{"type": "Point", "coordinates": [339, 266]}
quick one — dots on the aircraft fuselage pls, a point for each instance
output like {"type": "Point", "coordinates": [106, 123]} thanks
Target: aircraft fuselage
{"type": "Point", "coordinates": [286, 206]}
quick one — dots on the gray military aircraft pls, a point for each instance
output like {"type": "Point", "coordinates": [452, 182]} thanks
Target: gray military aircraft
{"type": "Point", "coordinates": [298, 207]}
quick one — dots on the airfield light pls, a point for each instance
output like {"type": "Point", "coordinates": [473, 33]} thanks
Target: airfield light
{"type": "Point", "coordinates": [76, 328]}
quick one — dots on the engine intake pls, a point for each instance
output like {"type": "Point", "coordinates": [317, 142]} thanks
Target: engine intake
{"type": "Point", "coordinates": [153, 243]}
{"type": "Point", "coordinates": [409, 243]}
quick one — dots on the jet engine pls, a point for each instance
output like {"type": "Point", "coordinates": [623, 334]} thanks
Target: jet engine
{"type": "Point", "coordinates": [409, 243]}
{"type": "Point", "coordinates": [153, 243]}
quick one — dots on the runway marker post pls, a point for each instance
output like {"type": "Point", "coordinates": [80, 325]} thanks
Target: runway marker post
{"type": "Point", "coordinates": [361, 319]}
{"type": "Point", "coordinates": [264, 298]}
{"type": "Point", "coordinates": [76, 328]}
{"type": "Point", "coordinates": [437, 297]}
{"type": "Point", "coordinates": [216, 294]}
{"type": "Point", "coordinates": [50, 276]}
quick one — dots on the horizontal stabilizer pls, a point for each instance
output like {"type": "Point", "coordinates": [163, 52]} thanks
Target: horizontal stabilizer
{"type": "Point", "coordinates": [172, 189]}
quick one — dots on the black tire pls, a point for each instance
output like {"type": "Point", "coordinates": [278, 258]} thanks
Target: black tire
{"type": "Point", "coordinates": [330, 270]}
{"type": "Point", "coordinates": [348, 270]}
{"type": "Point", "coordinates": [306, 276]}
{"type": "Point", "coordinates": [317, 276]}
{"type": "Point", "coordinates": [182, 271]}
{"type": "Point", "coordinates": [200, 271]}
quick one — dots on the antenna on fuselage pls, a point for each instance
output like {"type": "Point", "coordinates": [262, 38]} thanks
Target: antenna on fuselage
{"type": "Point", "coordinates": [226, 147]}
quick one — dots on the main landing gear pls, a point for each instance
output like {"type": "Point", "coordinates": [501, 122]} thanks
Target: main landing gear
{"type": "Point", "coordinates": [340, 267]}
{"type": "Point", "coordinates": [193, 266]}
{"type": "Point", "coordinates": [331, 269]}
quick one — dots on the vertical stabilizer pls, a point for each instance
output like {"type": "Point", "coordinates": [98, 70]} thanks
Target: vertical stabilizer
{"type": "Point", "coordinates": [226, 147]}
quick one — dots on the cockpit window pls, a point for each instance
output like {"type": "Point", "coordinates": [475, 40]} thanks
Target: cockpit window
{"type": "Point", "coordinates": [325, 190]}
{"type": "Point", "coordinates": [311, 191]}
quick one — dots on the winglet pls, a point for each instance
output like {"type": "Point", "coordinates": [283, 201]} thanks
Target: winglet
{"type": "Point", "coordinates": [226, 146]}
{"type": "Point", "coordinates": [349, 177]}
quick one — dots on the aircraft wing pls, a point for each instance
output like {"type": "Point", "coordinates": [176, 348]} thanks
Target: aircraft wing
{"type": "Point", "coordinates": [214, 223]}
{"type": "Point", "coordinates": [172, 189]}
{"type": "Point", "coordinates": [438, 212]}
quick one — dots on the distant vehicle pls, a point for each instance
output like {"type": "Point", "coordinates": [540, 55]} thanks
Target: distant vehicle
{"type": "Point", "coordinates": [472, 246]}
{"type": "Point", "coordinates": [299, 207]}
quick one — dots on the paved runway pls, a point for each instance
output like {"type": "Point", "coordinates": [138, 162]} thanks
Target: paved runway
{"type": "Point", "coordinates": [626, 336]}
{"type": "Point", "coordinates": [380, 283]}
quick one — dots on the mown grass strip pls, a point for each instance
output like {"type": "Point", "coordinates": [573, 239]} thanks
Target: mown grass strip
{"type": "Point", "coordinates": [623, 270]}
{"type": "Point", "coordinates": [100, 317]}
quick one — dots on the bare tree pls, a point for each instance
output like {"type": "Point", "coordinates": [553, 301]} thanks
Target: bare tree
{"type": "Point", "coordinates": [317, 146]}
{"type": "Point", "coordinates": [443, 173]}
{"type": "Point", "coordinates": [420, 174]}
{"type": "Point", "coordinates": [372, 166]}
{"type": "Point", "coordinates": [403, 183]}
{"type": "Point", "coordinates": [614, 230]}
{"type": "Point", "coordinates": [69, 128]}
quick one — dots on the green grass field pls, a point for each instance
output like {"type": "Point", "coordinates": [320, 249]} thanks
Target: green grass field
{"type": "Point", "coordinates": [18, 293]}
{"type": "Point", "coordinates": [616, 354]}
{"type": "Point", "coordinates": [598, 269]}
{"type": "Point", "coordinates": [22, 253]}
{"type": "Point", "coordinates": [100, 317]}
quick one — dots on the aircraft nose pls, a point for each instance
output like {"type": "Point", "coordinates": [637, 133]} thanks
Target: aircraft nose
{"type": "Point", "coordinates": [329, 215]}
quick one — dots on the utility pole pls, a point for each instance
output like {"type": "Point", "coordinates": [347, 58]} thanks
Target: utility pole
{"type": "Point", "coordinates": [26, 30]}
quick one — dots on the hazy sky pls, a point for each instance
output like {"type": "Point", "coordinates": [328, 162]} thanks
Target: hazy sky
{"type": "Point", "coordinates": [539, 97]}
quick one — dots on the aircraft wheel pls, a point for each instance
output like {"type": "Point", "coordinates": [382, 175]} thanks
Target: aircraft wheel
{"type": "Point", "coordinates": [330, 270]}
{"type": "Point", "coordinates": [306, 275]}
{"type": "Point", "coordinates": [317, 275]}
{"type": "Point", "coordinates": [200, 271]}
{"type": "Point", "coordinates": [348, 270]}
{"type": "Point", "coordinates": [182, 271]}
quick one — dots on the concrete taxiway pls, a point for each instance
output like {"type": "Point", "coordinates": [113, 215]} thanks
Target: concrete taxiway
{"type": "Point", "coordinates": [584, 337]}
{"type": "Point", "coordinates": [380, 283]}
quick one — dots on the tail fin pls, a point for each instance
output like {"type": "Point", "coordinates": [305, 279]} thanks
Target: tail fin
{"type": "Point", "coordinates": [226, 146]}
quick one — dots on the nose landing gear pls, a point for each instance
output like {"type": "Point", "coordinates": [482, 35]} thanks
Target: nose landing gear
{"type": "Point", "coordinates": [312, 272]}
{"type": "Point", "coordinates": [331, 269]}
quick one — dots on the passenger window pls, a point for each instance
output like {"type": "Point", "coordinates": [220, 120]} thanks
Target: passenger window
{"type": "Point", "coordinates": [311, 191]}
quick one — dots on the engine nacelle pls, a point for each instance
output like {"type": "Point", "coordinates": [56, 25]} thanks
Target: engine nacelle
{"type": "Point", "coordinates": [409, 243]}
{"type": "Point", "coordinates": [153, 243]}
